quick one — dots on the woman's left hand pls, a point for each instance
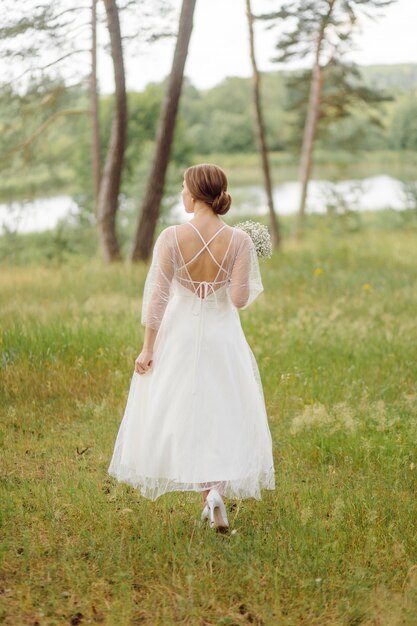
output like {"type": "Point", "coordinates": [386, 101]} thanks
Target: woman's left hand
{"type": "Point", "coordinates": [144, 361]}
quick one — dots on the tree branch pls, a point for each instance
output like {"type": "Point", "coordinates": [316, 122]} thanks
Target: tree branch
{"type": "Point", "coordinates": [39, 131]}
{"type": "Point", "coordinates": [41, 69]}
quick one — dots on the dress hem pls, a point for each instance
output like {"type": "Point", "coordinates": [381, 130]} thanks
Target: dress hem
{"type": "Point", "coordinates": [153, 488]}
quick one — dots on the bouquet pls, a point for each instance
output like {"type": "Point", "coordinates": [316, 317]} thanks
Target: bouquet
{"type": "Point", "coordinates": [260, 236]}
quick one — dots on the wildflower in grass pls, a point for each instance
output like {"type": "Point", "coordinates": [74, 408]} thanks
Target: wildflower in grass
{"type": "Point", "coordinates": [345, 416]}
{"type": "Point", "coordinates": [366, 286]}
{"type": "Point", "coordinates": [286, 377]}
{"type": "Point", "coordinates": [340, 417]}
{"type": "Point", "coordinates": [260, 236]}
{"type": "Point", "coordinates": [379, 415]}
{"type": "Point", "coordinates": [366, 445]}
{"type": "Point", "coordinates": [313, 415]}
{"type": "Point", "coordinates": [306, 515]}
{"type": "Point", "coordinates": [318, 271]}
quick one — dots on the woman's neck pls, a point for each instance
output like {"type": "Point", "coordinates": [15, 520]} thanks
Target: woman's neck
{"type": "Point", "coordinates": [203, 213]}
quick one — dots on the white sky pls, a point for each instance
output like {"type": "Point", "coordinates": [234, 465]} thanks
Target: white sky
{"type": "Point", "coordinates": [219, 45]}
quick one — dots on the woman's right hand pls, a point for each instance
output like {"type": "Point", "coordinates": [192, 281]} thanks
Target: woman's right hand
{"type": "Point", "coordinates": [144, 361]}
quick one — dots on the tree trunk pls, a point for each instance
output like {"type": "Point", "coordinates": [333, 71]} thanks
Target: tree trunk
{"type": "Point", "coordinates": [316, 88]}
{"type": "Point", "coordinates": [260, 133]}
{"type": "Point", "coordinates": [308, 144]}
{"type": "Point", "coordinates": [95, 128]}
{"type": "Point", "coordinates": [149, 214]}
{"type": "Point", "coordinates": [112, 175]}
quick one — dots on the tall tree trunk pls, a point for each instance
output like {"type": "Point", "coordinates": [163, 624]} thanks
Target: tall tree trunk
{"type": "Point", "coordinates": [316, 88]}
{"type": "Point", "coordinates": [308, 144]}
{"type": "Point", "coordinates": [112, 175]}
{"type": "Point", "coordinates": [95, 127]}
{"type": "Point", "coordinates": [142, 244]}
{"type": "Point", "coordinates": [260, 132]}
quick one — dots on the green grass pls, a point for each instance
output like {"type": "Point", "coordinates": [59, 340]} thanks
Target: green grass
{"type": "Point", "coordinates": [335, 337]}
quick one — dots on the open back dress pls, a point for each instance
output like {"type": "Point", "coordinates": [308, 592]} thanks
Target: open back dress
{"type": "Point", "coordinates": [197, 419]}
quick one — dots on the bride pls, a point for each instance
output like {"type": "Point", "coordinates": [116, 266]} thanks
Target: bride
{"type": "Point", "coordinates": [195, 418]}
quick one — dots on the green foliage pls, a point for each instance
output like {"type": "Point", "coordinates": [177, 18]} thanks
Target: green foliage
{"type": "Point", "coordinates": [322, 31]}
{"type": "Point", "coordinates": [403, 132]}
{"type": "Point", "coordinates": [350, 115]}
{"type": "Point", "coordinates": [218, 121]}
{"type": "Point", "coordinates": [143, 111]}
{"type": "Point", "coordinates": [395, 78]}
{"type": "Point", "coordinates": [39, 136]}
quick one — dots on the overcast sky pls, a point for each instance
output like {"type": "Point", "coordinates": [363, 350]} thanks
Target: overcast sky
{"type": "Point", "coordinates": [219, 44]}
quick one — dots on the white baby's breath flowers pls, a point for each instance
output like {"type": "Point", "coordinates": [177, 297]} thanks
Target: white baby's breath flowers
{"type": "Point", "coordinates": [260, 236]}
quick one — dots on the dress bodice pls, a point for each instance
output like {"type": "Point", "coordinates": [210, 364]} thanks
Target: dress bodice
{"type": "Point", "coordinates": [205, 293]}
{"type": "Point", "coordinates": [235, 269]}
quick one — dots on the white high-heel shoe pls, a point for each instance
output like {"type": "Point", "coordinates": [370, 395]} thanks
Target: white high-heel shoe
{"type": "Point", "coordinates": [205, 513]}
{"type": "Point", "coordinates": [216, 511]}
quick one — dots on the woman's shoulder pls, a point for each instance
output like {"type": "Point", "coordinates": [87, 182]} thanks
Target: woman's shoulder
{"type": "Point", "coordinates": [168, 228]}
{"type": "Point", "coordinates": [164, 239]}
{"type": "Point", "coordinates": [167, 232]}
{"type": "Point", "coordinates": [242, 237]}
{"type": "Point", "coordinates": [241, 233]}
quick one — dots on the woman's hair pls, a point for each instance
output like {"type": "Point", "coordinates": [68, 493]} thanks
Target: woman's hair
{"type": "Point", "coordinates": [208, 183]}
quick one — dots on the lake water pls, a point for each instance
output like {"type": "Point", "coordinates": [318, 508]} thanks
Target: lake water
{"type": "Point", "coordinates": [378, 192]}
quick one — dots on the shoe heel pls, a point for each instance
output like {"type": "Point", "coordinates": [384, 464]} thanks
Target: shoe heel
{"type": "Point", "coordinates": [205, 513]}
{"type": "Point", "coordinates": [217, 511]}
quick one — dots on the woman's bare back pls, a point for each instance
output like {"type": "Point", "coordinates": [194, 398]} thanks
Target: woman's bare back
{"type": "Point", "coordinates": [204, 267]}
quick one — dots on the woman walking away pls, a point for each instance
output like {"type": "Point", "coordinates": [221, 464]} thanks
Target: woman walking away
{"type": "Point", "coordinates": [195, 418]}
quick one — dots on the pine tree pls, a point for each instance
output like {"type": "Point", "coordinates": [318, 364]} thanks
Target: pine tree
{"type": "Point", "coordinates": [323, 31]}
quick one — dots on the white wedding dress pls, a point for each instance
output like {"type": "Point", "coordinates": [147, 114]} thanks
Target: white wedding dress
{"type": "Point", "coordinates": [197, 418]}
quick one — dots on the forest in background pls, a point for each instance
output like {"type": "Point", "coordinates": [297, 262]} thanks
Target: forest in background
{"type": "Point", "coordinates": [212, 124]}
{"type": "Point", "coordinates": [120, 157]}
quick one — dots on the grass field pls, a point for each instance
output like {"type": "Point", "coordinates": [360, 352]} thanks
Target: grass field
{"type": "Point", "coordinates": [335, 337]}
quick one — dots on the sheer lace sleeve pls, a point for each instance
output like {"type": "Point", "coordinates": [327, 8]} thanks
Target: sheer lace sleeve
{"type": "Point", "coordinates": [245, 281]}
{"type": "Point", "coordinates": [156, 292]}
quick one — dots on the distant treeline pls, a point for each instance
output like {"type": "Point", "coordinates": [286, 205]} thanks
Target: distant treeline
{"type": "Point", "coordinates": [220, 119]}
{"type": "Point", "coordinates": [214, 121]}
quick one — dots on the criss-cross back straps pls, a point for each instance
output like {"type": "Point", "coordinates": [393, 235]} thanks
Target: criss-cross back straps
{"type": "Point", "coordinates": [205, 247]}
{"type": "Point", "coordinates": [206, 244]}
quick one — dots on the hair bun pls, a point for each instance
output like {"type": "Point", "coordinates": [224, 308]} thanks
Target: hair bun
{"type": "Point", "coordinates": [221, 203]}
{"type": "Point", "coordinates": [207, 182]}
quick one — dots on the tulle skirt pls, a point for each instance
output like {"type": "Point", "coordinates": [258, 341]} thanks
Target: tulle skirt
{"type": "Point", "coordinates": [197, 418]}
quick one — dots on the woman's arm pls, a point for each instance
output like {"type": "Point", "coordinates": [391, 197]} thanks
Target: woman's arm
{"type": "Point", "coordinates": [245, 281]}
{"type": "Point", "coordinates": [156, 296]}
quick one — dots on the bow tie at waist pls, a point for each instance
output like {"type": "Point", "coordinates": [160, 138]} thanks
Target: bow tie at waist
{"type": "Point", "coordinates": [198, 307]}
